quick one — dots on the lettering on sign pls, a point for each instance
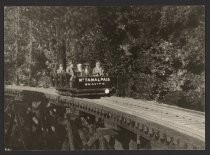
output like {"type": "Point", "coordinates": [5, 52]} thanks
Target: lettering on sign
{"type": "Point", "coordinates": [94, 84]}
{"type": "Point", "coordinates": [94, 81]}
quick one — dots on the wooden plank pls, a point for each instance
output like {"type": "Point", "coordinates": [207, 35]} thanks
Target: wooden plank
{"type": "Point", "coordinates": [70, 133]}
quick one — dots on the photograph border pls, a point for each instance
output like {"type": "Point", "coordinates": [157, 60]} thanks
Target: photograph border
{"type": "Point", "coordinates": [110, 3]}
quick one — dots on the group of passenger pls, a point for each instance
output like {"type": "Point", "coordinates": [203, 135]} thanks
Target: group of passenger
{"type": "Point", "coordinates": [81, 70]}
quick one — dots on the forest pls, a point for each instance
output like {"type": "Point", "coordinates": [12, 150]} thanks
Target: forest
{"type": "Point", "coordinates": [159, 49]}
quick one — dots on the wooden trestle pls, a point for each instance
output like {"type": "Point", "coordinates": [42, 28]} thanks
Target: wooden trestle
{"type": "Point", "coordinates": [106, 123]}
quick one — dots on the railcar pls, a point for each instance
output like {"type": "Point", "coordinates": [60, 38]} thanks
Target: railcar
{"type": "Point", "coordinates": [83, 86]}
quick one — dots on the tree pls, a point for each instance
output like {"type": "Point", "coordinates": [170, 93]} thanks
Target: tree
{"type": "Point", "coordinates": [160, 48]}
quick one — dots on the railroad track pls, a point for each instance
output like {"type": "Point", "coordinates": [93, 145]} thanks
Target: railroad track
{"type": "Point", "coordinates": [172, 112]}
{"type": "Point", "coordinates": [189, 123]}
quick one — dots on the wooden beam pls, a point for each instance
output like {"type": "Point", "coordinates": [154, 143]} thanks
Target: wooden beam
{"type": "Point", "coordinates": [107, 131]}
{"type": "Point", "coordinates": [65, 145]}
{"type": "Point", "coordinates": [102, 143]}
{"type": "Point", "coordinates": [132, 145]}
{"type": "Point", "coordinates": [111, 125]}
{"type": "Point", "coordinates": [110, 142]}
{"type": "Point", "coordinates": [20, 128]}
{"type": "Point", "coordinates": [9, 131]}
{"type": "Point", "coordinates": [69, 132]}
{"type": "Point", "coordinates": [138, 141]}
{"type": "Point", "coordinates": [82, 137]}
{"type": "Point", "coordinates": [118, 145]}
{"type": "Point", "coordinates": [92, 140]}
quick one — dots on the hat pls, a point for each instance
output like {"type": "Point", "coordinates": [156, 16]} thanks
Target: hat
{"type": "Point", "coordinates": [86, 64]}
{"type": "Point", "coordinates": [98, 62]}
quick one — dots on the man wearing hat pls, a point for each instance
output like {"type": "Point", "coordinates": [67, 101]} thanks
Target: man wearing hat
{"type": "Point", "coordinates": [98, 70]}
{"type": "Point", "coordinates": [79, 70]}
{"type": "Point", "coordinates": [53, 74]}
{"type": "Point", "coordinates": [60, 69]}
{"type": "Point", "coordinates": [70, 69]}
{"type": "Point", "coordinates": [86, 69]}
{"type": "Point", "coordinates": [70, 73]}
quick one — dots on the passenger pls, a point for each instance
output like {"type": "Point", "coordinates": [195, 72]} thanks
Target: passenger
{"type": "Point", "coordinates": [53, 74]}
{"type": "Point", "coordinates": [98, 70]}
{"type": "Point", "coordinates": [61, 75]}
{"type": "Point", "coordinates": [70, 72]}
{"type": "Point", "coordinates": [70, 69]}
{"type": "Point", "coordinates": [79, 71]}
{"type": "Point", "coordinates": [87, 69]}
{"type": "Point", "coordinates": [60, 69]}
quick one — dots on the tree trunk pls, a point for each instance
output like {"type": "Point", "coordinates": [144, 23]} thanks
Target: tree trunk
{"type": "Point", "coordinates": [30, 52]}
{"type": "Point", "coordinates": [16, 47]}
{"type": "Point", "coordinates": [62, 54]}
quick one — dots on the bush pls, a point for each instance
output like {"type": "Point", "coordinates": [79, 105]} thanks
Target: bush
{"type": "Point", "coordinates": [140, 86]}
{"type": "Point", "coordinates": [191, 99]}
{"type": "Point", "coordinates": [44, 81]}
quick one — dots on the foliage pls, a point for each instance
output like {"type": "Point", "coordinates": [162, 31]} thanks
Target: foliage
{"type": "Point", "coordinates": [160, 48]}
